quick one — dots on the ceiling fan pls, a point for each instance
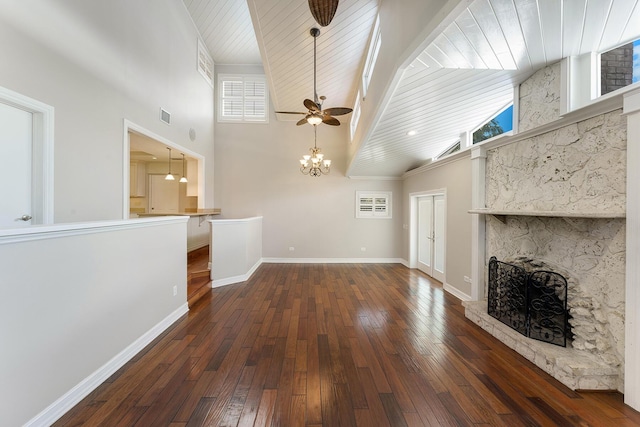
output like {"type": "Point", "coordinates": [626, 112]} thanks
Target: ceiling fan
{"type": "Point", "coordinates": [316, 114]}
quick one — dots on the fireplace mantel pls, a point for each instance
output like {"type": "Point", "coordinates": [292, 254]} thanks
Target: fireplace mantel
{"type": "Point", "coordinates": [500, 214]}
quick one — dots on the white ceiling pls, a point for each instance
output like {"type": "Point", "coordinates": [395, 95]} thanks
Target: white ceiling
{"type": "Point", "coordinates": [461, 79]}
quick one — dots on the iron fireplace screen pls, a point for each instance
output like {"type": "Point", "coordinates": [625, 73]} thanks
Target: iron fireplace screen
{"type": "Point", "coordinates": [532, 303]}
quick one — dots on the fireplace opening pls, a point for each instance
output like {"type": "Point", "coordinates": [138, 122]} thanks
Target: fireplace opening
{"type": "Point", "coordinates": [534, 303]}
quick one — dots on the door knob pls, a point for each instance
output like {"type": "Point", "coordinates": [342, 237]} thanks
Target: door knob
{"type": "Point", "coordinates": [25, 217]}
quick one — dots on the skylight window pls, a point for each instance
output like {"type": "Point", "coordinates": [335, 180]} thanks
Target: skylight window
{"type": "Point", "coordinates": [355, 117]}
{"type": "Point", "coordinates": [620, 67]}
{"type": "Point", "coordinates": [450, 150]}
{"type": "Point", "coordinates": [243, 98]}
{"type": "Point", "coordinates": [372, 56]}
{"type": "Point", "coordinates": [497, 125]}
{"type": "Point", "coordinates": [205, 63]}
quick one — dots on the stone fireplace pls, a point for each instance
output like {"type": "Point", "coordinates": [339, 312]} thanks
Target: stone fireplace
{"type": "Point", "coordinates": [590, 254]}
{"type": "Point", "coordinates": [557, 197]}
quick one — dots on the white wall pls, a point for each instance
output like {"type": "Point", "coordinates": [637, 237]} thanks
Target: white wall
{"type": "Point", "coordinates": [455, 177]}
{"type": "Point", "coordinates": [74, 296]}
{"type": "Point", "coordinates": [98, 63]}
{"type": "Point", "coordinates": [257, 174]}
{"type": "Point", "coordinates": [236, 249]}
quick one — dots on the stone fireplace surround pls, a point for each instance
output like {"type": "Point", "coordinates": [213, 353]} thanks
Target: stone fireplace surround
{"type": "Point", "coordinates": [557, 195]}
{"type": "Point", "coordinates": [557, 198]}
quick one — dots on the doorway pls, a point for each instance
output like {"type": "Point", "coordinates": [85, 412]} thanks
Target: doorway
{"type": "Point", "coordinates": [431, 236]}
{"type": "Point", "coordinates": [427, 233]}
{"type": "Point", "coordinates": [26, 179]}
{"type": "Point", "coordinates": [145, 156]}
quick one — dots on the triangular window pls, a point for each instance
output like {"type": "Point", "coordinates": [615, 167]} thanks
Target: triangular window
{"type": "Point", "coordinates": [497, 125]}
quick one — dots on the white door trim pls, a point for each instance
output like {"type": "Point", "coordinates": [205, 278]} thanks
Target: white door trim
{"type": "Point", "coordinates": [42, 154]}
{"type": "Point", "coordinates": [132, 127]}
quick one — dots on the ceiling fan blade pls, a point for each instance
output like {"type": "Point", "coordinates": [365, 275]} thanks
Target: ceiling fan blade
{"type": "Point", "coordinates": [311, 105]}
{"type": "Point", "coordinates": [290, 112]}
{"type": "Point", "coordinates": [302, 122]}
{"type": "Point", "coordinates": [337, 111]}
{"type": "Point", "coordinates": [331, 121]}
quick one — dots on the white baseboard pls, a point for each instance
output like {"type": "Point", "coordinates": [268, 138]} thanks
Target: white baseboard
{"type": "Point", "coordinates": [456, 292]}
{"type": "Point", "coordinates": [58, 408]}
{"type": "Point", "coordinates": [236, 279]}
{"type": "Point", "coordinates": [334, 260]}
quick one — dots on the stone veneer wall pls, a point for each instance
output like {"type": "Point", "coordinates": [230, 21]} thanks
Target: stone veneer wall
{"type": "Point", "coordinates": [540, 98]}
{"type": "Point", "coordinates": [576, 169]}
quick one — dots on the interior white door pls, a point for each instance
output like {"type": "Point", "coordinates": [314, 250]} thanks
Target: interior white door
{"type": "Point", "coordinates": [438, 238]}
{"type": "Point", "coordinates": [16, 145]}
{"type": "Point", "coordinates": [163, 195]}
{"type": "Point", "coordinates": [431, 236]}
{"type": "Point", "coordinates": [425, 234]}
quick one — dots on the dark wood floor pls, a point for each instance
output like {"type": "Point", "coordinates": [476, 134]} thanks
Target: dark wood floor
{"type": "Point", "coordinates": [336, 345]}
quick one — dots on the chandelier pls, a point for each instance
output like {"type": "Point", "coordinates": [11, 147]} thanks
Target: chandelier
{"type": "Point", "coordinates": [315, 164]}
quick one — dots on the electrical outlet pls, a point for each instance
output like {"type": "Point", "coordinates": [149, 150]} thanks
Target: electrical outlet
{"type": "Point", "coordinates": [175, 291]}
{"type": "Point", "coordinates": [363, 249]}
{"type": "Point", "coordinates": [467, 279]}
{"type": "Point", "coordinates": [291, 249]}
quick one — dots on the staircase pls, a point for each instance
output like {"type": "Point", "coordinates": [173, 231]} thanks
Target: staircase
{"type": "Point", "coordinates": [198, 275]}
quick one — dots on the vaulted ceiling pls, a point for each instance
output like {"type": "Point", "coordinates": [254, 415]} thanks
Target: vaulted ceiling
{"type": "Point", "coordinates": [464, 76]}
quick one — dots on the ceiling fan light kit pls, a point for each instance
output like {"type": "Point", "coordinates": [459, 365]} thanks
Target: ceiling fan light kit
{"type": "Point", "coordinates": [323, 11]}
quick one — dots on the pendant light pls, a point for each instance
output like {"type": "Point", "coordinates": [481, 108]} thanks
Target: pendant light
{"type": "Point", "coordinates": [169, 177]}
{"type": "Point", "coordinates": [184, 178]}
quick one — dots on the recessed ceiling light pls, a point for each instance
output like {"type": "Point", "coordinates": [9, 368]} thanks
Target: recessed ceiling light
{"type": "Point", "coordinates": [411, 132]}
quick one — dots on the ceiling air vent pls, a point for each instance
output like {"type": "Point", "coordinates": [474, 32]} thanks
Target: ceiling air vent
{"type": "Point", "coordinates": [165, 116]}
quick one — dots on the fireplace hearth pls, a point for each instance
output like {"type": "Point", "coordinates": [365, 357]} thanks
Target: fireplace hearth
{"type": "Point", "coordinates": [534, 303]}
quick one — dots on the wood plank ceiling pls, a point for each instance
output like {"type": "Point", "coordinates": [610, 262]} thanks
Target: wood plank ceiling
{"type": "Point", "coordinates": [460, 80]}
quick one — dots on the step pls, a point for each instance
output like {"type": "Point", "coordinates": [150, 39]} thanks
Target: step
{"type": "Point", "coordinates": [198, 285]}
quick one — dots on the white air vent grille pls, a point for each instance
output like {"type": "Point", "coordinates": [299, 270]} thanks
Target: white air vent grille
{"type": "Point", "coordinates": [165, 116]}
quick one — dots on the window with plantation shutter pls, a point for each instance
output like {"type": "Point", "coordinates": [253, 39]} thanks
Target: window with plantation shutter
{"type": "Point", "coordinates": [373, 204]}
{"type": "Point", "coordinates": [243, 98]}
